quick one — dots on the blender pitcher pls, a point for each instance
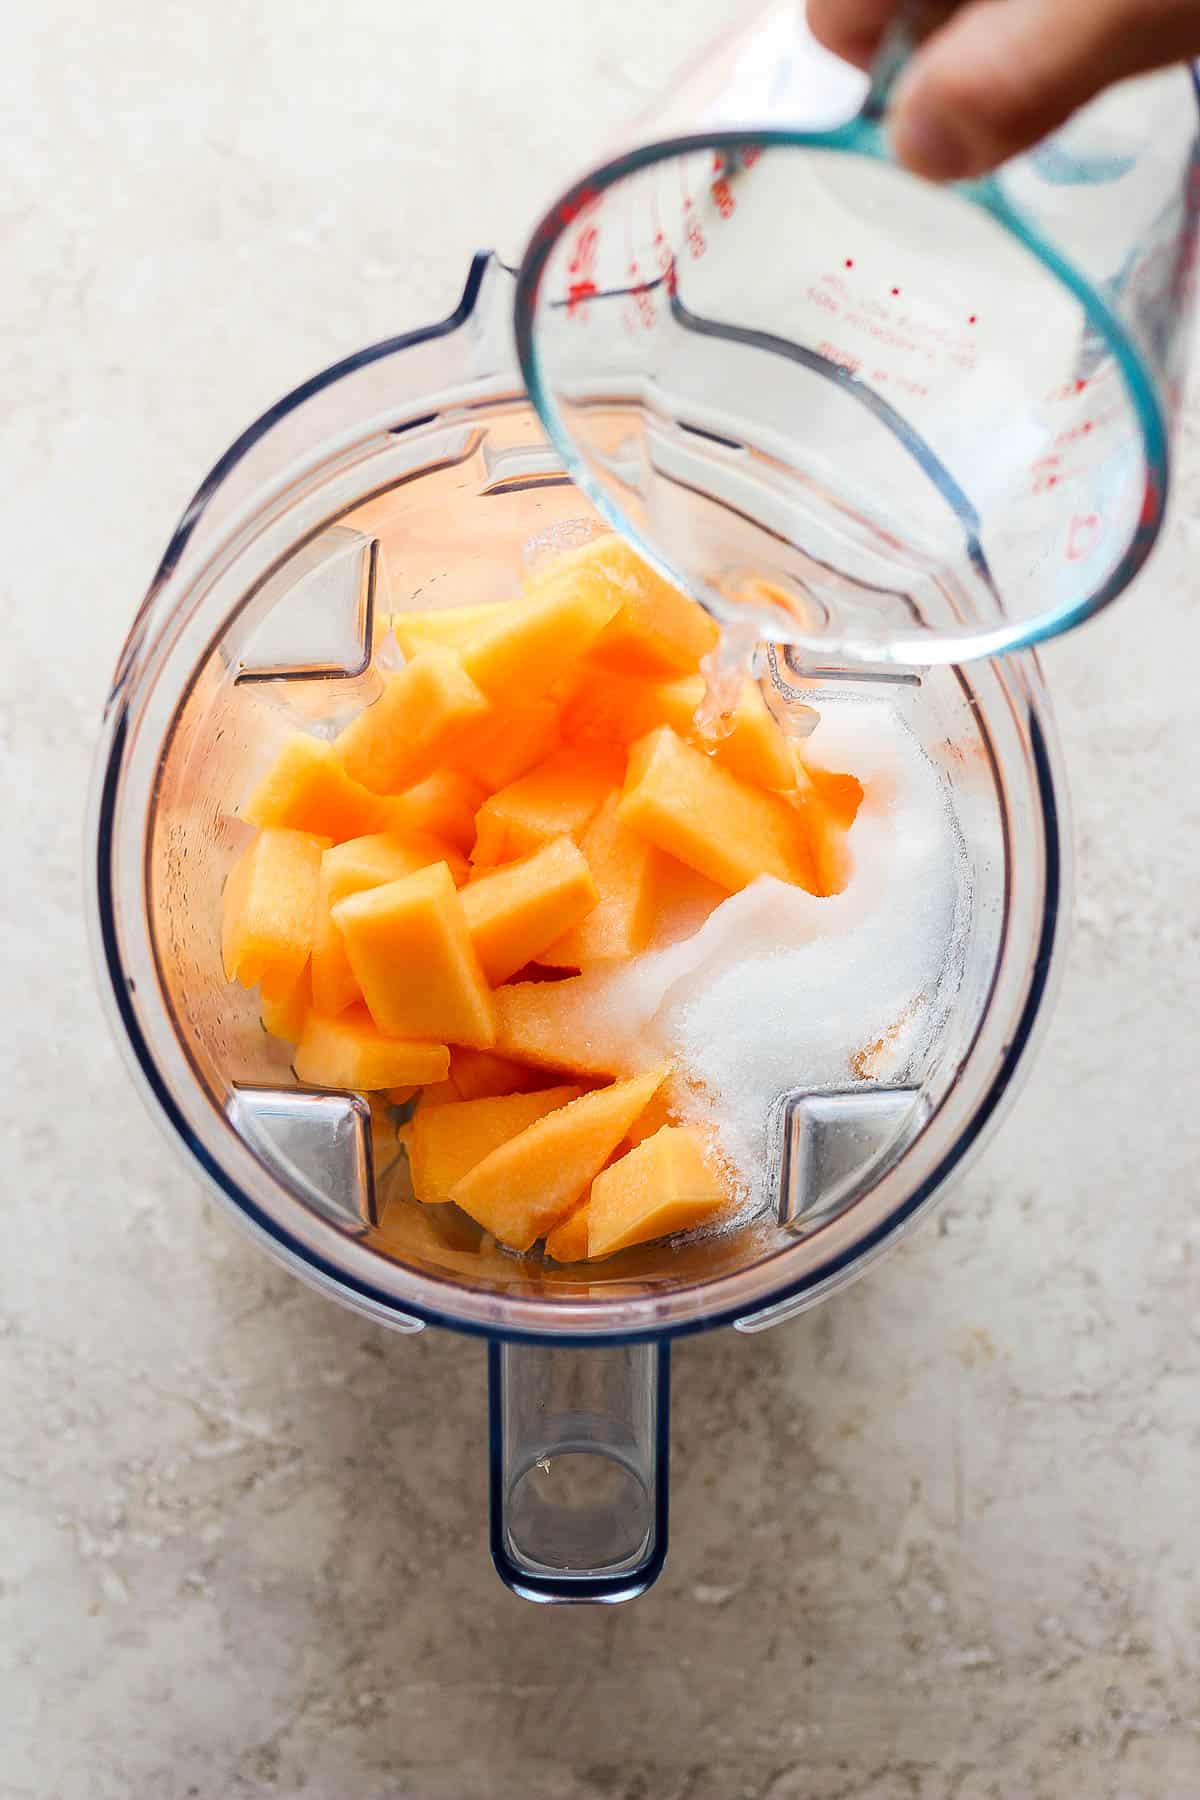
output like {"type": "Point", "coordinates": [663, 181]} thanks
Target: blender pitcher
{"type": "Point", "coordinates": [416, 474]}
{"type": "Point", "coordinates": [954, 402]}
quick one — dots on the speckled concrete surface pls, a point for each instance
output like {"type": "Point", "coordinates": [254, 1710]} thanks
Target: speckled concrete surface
{"type": "Point", "coordinates": [937, 1540]}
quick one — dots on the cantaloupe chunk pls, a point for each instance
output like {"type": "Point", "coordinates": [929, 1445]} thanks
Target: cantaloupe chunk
{"type": "Point", "coordinates": [557, 799]}
{"type": "Point", "coordinates": [685, 900]}
{"type": "Point", "coordinates": [660, 1111]}
{"type": "Point", "coordinates": [351, 868]}
{"type": "Point", "coordinates": [307, 789]}
{"type": "Point", "coordinates": [655, 628]}
{"type": "Point", "coordinates": [412, 956]}
{"type": "Point", "coordinates": [625, 869]}
{"type": "Point", "coordinates": [349, 1052]}
{"type": "Point", "coordinates": [479, 1074]}
{"type": "Point", "coordinates": [447, 1141]}
{"type": "Point", "coordinates": [529, 648]}
{"type": "Point", "coordinates": [440, 1093]}
{"type": "Point", "coordinates": [665, 1184]}
{"type": "Point", "coordinates": [547, 1024]}
{"type": "Point", "coordinates": [609, 706]}
{"type": "Point", "coordinates": [568, 1242]}
{"type": "Point", "coordinates": [445, 803]}
{"type": "Point", "coordinates": [449, 626]}
{"type": "Point", "coordinates": [842, 795]}
{"type": "Point", "coordinates": [518, 909]}
{"type": "Point", "coordinates": [506, 741]}
{"type": "Point", "coordinates": [613, 707]}
{"type": "Point", "coordinates": [752, 744]}
{"type": "Point", "coordinates": [409, 730]}
{"type": "Point", "coordinates": [269, 909]}
{"type": "Point", "coordinates": [705, 816]}
{"type": "Point", "coordinates": [525, 1186]}
{"type": "Point", "coordinates": [828, 804]}
{"type": "Point", "coordinates": [284, 1013]}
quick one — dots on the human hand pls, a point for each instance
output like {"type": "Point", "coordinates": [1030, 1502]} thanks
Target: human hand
{"type": "Point", "coordinates": [998, 75]}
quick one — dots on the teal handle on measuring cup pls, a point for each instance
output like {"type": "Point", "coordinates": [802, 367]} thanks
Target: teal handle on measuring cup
{"type": "Point", "coordinates": [950, 408]}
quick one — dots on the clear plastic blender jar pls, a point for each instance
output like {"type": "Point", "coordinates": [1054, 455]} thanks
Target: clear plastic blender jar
{"type": "Point", "coordinates": [414, 474]}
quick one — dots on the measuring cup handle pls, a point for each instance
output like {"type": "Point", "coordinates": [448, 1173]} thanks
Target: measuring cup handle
{"type": "Point", "coordinates": [912, 22]}
{"type": "Point", "coordinates": [579, 1458]}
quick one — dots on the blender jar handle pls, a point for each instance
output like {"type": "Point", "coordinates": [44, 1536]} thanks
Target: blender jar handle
{"type": "Point", "coordinates": [579, 1458]}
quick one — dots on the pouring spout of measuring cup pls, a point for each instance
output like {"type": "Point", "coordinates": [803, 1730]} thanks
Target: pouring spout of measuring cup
{"type": "Point", "coordinates": [887, 422]}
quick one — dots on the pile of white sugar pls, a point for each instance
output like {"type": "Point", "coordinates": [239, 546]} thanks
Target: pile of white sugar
{"type": "Point", "coordinates": [780, 990]}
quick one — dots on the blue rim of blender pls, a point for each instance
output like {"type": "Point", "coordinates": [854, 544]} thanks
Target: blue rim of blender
{"type": "Point", "coordinates": [107, 949]}
{"type": "Point", "coordinates": [864, 136]}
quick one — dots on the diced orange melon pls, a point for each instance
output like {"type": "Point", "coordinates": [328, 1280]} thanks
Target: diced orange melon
{"type": "Point", "coordinates": [752, 744]}
{"type": "Point", "coordinates": [516, 910]}
{"type": "Point", "coordinates": [525, 1186]}
{"type": "Point", "coordinates": [625, 869]}
{"type": "Point", "coordinates": [351, 868]}
{"type": "Point", "coordinates": [842, 794]}
{"type": "Point", "coordinates": [614, 707]}
{"type": "Point", "coordinates": [828, 804]}
{"type": "Point", "coordinates": [307, 789]}
{"type": "Point", "coordinates": [448, 626]}
{"type": "Point", "coordinates": [655, 628]}
{"type": "Point", "coordinates": [409, 731]}
{"type": "Point", "coordinates": [284, 1013]}
{"type": "Point", "coordinates": [447, 1141]}
{"type": "Point", "coordinates": [412, 956]}
{"type": "Point", "coordinates": [441, 1093]}
{"type": "Point", "coordinates": [568, 1242]}
{"type": "Point", "coordinates": [445, 803]}
{"type": "Point", "coordinates": [556, 799]}
{"type": "Point", "coordinates": [546, 1023]}
{"type": "Point", "coordinates": [699, 812]}
{"type": "Point", "coordinates": [478, 1074]}
{"type": "Point", "coordinates": [665, 1184]}
{"type": "Point", "coordinates": [685, 900]}
{"type": "Point", "coordinates": [506, 741]}
{"type": "Point", "coordinates": [349, 1052]}
{"type": "Point", "coordinates": [610, 706]}
{"type": "Point", "coordinates": [269, 908]}
{"type": "Point", "coordinates": [529, 648]}
{"type": "Point", "coordinates": [659, 1112]}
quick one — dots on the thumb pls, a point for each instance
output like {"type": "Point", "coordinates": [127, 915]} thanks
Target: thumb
{"type": "Point", "coordinates": [1001, 74]}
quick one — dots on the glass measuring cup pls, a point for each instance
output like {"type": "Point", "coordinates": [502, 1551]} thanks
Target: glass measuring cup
{"type": "Point", "coordinates": [964, 395]}
{"type": "Point", "coordinates": [416, 473]}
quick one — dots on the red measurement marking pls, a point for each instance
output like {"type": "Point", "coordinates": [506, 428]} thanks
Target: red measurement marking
{"type": "Point", "coordinates": [1045, 474]}
{"type": "Point", "coordinates": [750, 154]}
{"type": "Point", "coordinates": [696, 241]}
{"type": "Point", "coordinates": [973, 320]}
{"type": "Point", "coordinates": [849, 262]}
{"type": "Point", "coordinates": [577, 293]}
{"type": "Point", "coordinates": [834, 353]}
{"type": "Point", "coordinates": [895, 293]}
{"type": "Point", "coordinates": [723, 198]}
{"type": "Point", "coordinates": [583, 252]}
{"type": "Point", "coordinates": [1083, 534]}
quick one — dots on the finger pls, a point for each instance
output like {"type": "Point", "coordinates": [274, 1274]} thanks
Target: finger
{"type": "Point", "coordinates": [852, 29]}
{"type": "Point", "coordinates": [1001, 74]}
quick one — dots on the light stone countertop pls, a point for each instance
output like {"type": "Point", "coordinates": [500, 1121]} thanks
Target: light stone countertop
{"type": "Point", "coordinates": [937, 1540]}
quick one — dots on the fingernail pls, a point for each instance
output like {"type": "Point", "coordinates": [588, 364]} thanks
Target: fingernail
{"type": "Point", "coordinates": [928, 146]}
